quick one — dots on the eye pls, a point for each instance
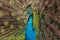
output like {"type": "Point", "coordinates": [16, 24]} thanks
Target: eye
{"type": "Point", "coordinates": [11, 2]}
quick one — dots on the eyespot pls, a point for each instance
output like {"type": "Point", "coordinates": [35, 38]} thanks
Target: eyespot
{"type": "Point", "coordinates": [25, 21]}
{"type": "Point", "coordinates": [13, 13]}
{"type": "Point", "coordinates": [25, 12]}
{"type": "Point", "coordinates": [11, 2]}
{"type": "Point", "coordinates": [18, 18]}
{"type": "Point", "coordinates": [30, 2]}
{"type": "Point", "coordinates": [1, 14]}
{"type": "Point", "coordinates": [0, 4]}
{"type": "Point", "coordinates": [37, 1]}
{"type": "Point", "coordinates": [20, 27]}
{"type": "Point", "coordinates": [11, 26]}
{"type": "Point", "coordinates": [2, 30]}
{"type": "Point", "coordinates": [5, 22]}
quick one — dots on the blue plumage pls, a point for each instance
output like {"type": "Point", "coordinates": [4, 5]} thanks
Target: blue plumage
{"type": "Point", "coordinates": [29, 12]}
{"type": "Point", "coordinates": [30, 32]}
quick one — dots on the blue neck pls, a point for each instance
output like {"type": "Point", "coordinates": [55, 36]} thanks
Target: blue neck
{"type": "Point", "coordinates": [30, 33]}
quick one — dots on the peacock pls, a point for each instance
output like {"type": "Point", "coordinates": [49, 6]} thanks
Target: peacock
{"type": "Point", "coordinates": [13, 20]}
